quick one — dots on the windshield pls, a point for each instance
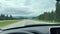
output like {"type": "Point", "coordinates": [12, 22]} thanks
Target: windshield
{"type": "Point", "coordinates": [15, 13]}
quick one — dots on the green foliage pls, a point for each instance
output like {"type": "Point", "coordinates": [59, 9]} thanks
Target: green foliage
{"type": "Point", "coordinates": [51, 16]}
{"type": "Point", "coordinates": [57, 17]}
{"type": "Point", "coordinates": [57, 0]}
{"type": "Point", "coordinates": [3, 17]}
{"type": "Point", "coordinates": [46, 16]}
{"type": "Point", "coordinates": [7, 22]}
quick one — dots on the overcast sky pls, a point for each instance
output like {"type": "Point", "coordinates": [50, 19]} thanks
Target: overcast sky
{"type": "Point", "coordinates": [26, 7]}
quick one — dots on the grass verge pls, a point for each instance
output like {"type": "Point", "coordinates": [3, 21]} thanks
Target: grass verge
{"type": "Point", "coordinates": [7, 22]}
{"type": "Point", "coordinates": [48, 21]}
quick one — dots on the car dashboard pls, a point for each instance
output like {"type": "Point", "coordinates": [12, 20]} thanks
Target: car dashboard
{"type": "Point", "coordinates": [31, 29]}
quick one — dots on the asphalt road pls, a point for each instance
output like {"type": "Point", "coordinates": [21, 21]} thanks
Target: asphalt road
{"type": "Point", "coordinates": [24, 22]}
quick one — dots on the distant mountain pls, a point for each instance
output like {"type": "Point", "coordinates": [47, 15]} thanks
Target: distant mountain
{"type": "Point", "coordinates": [22, 17]}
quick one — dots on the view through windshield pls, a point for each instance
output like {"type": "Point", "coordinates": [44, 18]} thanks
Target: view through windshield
{"type": "Point", "coordinates": [14, 13]}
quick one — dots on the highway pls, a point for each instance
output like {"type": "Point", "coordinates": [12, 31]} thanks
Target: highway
{"type": "Point", "coordinates": [24, 22]}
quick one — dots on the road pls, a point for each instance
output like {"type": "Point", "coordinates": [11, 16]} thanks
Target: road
{"type": "Point", "coordinates": [24, 22]}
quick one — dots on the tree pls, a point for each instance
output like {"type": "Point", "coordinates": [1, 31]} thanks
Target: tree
{"type": "Point", "coordinates": [7, 17]}
{"type": "Point", "coordinates": [47, 16]}
{"type": "Point", "coordinates": [57, 0]}
{"type": "Point", "coordinates": [11, 17]}
{"type": "Point", "coordinates": [57, 11]}
{"type": "Point", "coordinates": [2, 17]}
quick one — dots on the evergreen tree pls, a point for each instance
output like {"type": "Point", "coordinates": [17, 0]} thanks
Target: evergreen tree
{"type": "Point", "coordinates": [57, 11]}
{"type": "Point", "coordinates": [2, 17]}
{"type": "Point", "coordinates": [7, 17]}
{"type": "Point", "coordinates": [11, 17]}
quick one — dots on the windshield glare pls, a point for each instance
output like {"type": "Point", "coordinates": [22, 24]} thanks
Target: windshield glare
{"type": "Point", "coordinates": [14, 13]}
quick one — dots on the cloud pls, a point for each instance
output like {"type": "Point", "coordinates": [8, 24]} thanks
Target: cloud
{"type": "Point", "coordinates": [26, 7]}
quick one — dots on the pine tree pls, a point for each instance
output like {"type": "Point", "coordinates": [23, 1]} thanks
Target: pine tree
{"type": "Point", "coordinates": [11, 17]}
{"type": "Point", "coordinates": [57, 11]}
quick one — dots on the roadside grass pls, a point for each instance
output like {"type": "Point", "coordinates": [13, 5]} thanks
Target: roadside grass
{"type": "Point", "coordinates": [50, 21]}
{"type": "Point", "coordinates": [57, 22]}
{"type": "Point", "coordinates": [42, 20]}
{"type": "Point", "coordinates": [7, 22]}
{"type": "Point", "coordinates": [47, 21]}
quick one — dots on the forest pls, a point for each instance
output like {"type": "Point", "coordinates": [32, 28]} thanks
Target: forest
{"type": "Point", "coordinates": [5, 17]}
{"type": "Point", "coordinates": [51, 16]}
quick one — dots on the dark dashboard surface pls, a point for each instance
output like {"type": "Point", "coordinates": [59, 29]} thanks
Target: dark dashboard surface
{"type": "Point", "coordinates": [31, 29]}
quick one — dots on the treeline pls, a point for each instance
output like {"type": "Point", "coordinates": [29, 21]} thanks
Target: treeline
{"type": "Point", "coordinates": [51, 16]}
{"type": "Point", "coordinates": [5, 17]}
{"type": "Point", "coordinates": [47, 16]}
{"type": "Point", "coordinates": [57, 11]}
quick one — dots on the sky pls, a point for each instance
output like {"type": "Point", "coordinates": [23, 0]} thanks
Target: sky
{"type": "Point", "coordinates": [26, 7]}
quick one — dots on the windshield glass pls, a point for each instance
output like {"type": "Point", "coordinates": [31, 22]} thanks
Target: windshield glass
{"type": "Point", "coordinates": [14, 13]}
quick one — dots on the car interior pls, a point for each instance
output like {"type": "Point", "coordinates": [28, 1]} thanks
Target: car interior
{"type": "Point", "coordinates": [46, 22]}
{"type": "Point", "coordinates": [34, 29]}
